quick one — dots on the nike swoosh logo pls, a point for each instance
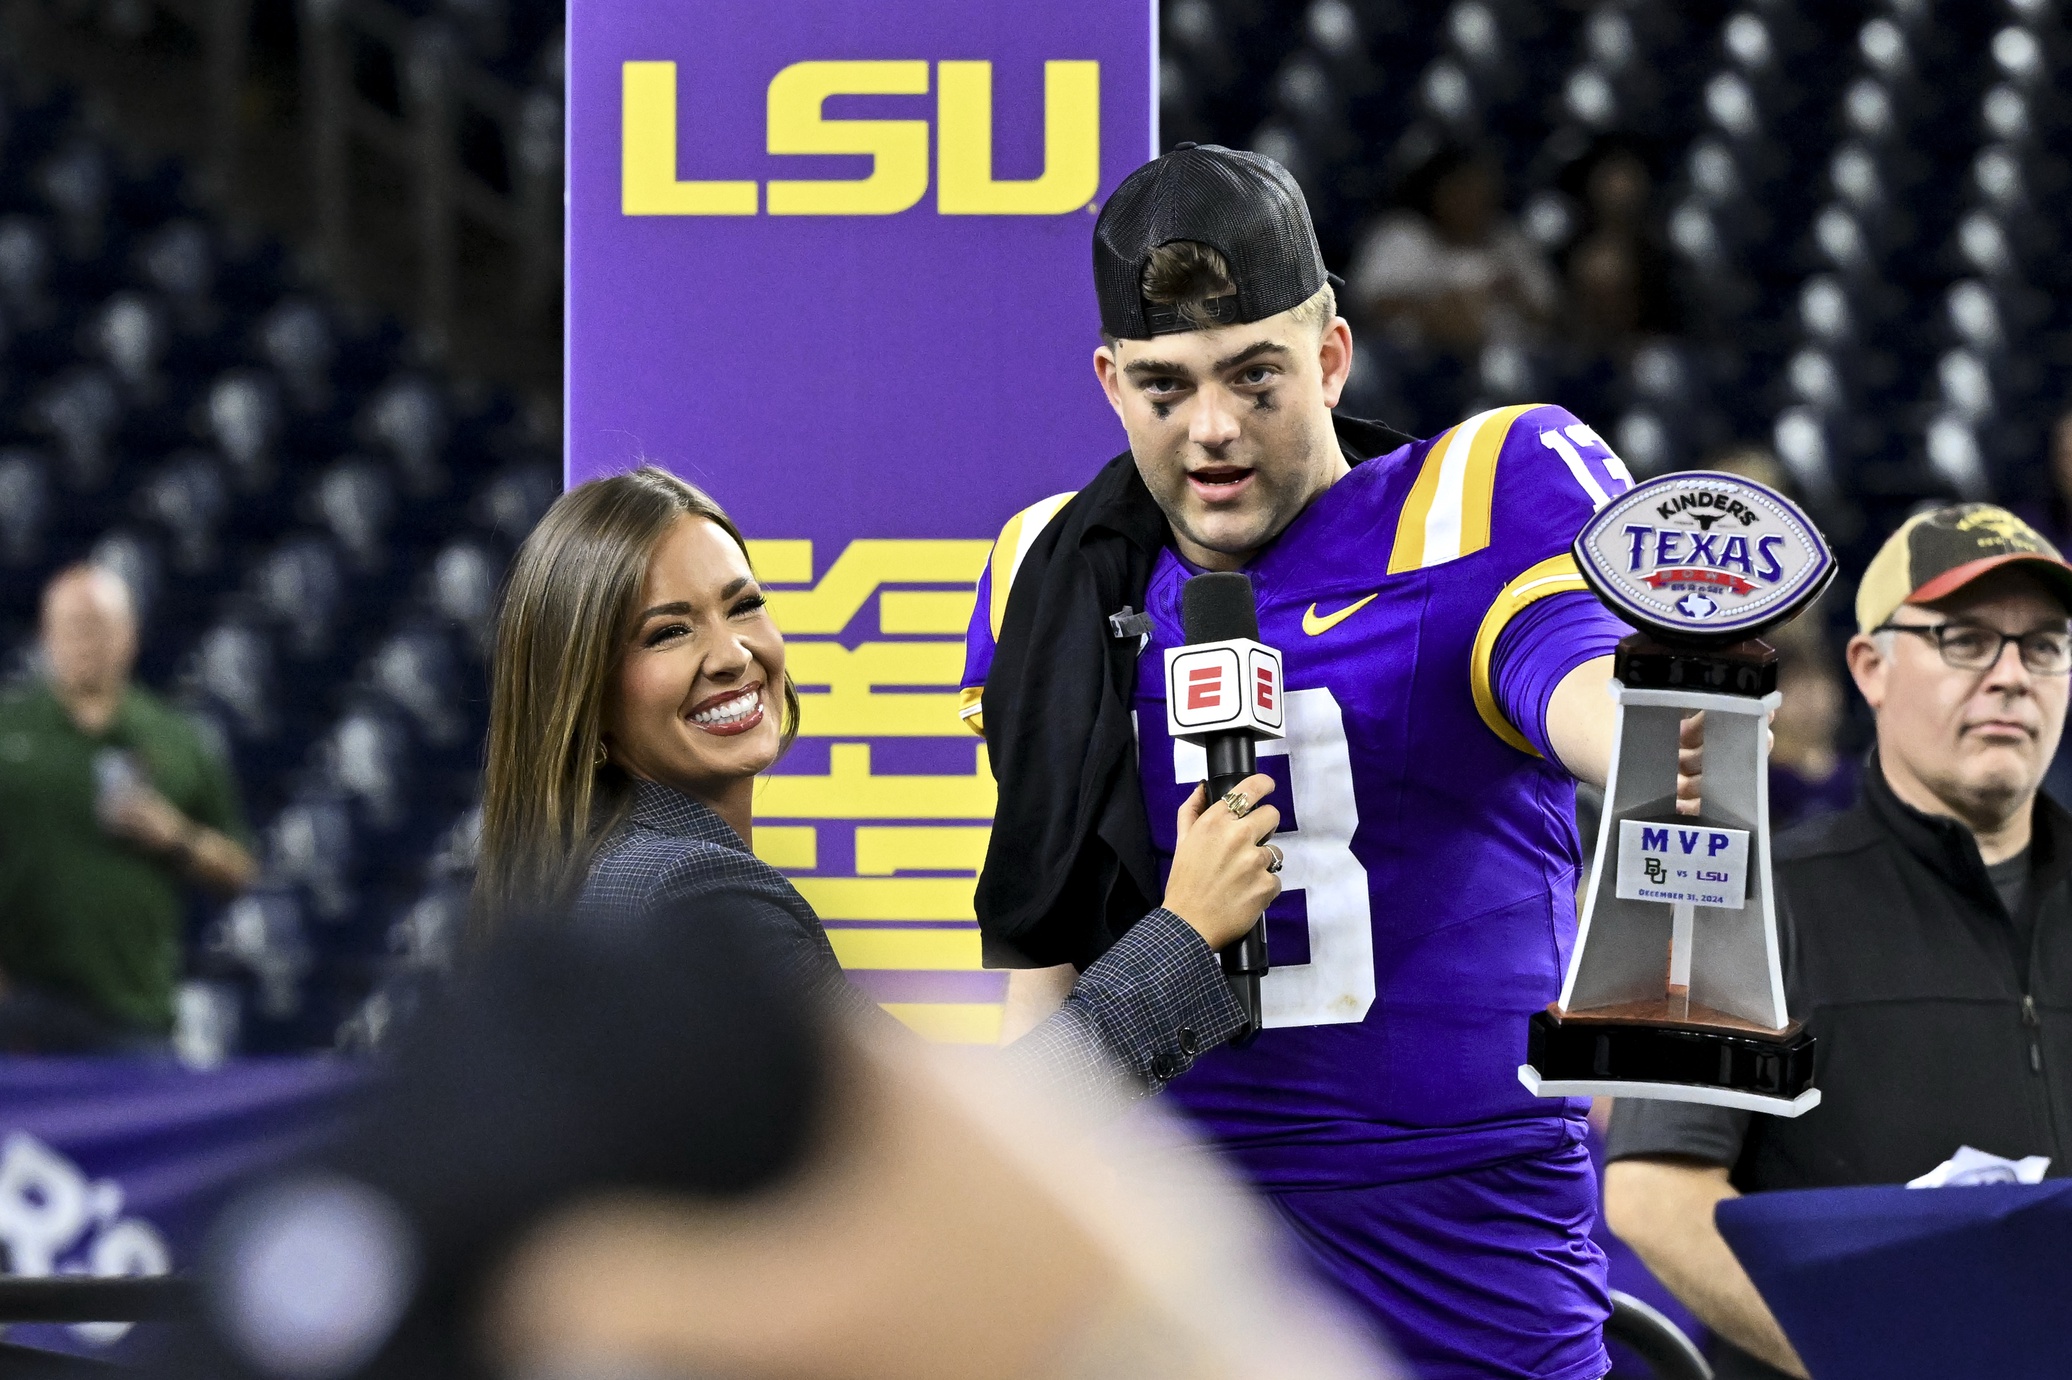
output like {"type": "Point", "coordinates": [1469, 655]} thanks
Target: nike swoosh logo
{"type": "Point", "coordinates": [1316, 626]}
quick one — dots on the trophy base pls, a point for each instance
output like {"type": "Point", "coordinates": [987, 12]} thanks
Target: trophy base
{"type": "Point", "coordinates": [1746, 668]}
{"type": "Point", "coordinates": [1668, 1049]}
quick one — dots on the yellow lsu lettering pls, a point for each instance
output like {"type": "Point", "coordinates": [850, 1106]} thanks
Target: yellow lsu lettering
{"type": "Point", "coordinates": [915, 843]}
{"type": "Point", "coordinates": [898, 149]}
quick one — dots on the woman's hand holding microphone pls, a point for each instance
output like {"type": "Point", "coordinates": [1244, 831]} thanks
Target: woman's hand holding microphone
{"type": "Point", "coordinates": [1224, 869]}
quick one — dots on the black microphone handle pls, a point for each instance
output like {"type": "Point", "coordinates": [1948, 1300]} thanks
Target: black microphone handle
{"type": "Point", "coordinates": [1232, 758]}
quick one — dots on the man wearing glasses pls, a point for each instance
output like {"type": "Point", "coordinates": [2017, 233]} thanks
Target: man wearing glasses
{"type": "Point", "coordinates": [1927, 929]}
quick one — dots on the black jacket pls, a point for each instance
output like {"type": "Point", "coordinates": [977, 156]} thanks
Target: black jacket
{"type": "Point", "coordinates": [1070, 864]}
{"type": "Point", "coordinates": [1936, 1028]}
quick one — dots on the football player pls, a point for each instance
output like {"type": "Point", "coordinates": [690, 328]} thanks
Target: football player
{"type": "Point", "coordinates": [1445, 675]}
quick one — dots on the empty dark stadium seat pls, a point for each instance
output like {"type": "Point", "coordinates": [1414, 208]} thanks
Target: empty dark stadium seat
{"type": "Point", "coordinates": [354, 500]}
{"type": "Point", "coordinates": [408, 419]}
{"type": "Point", "coordinates": [264, 933]}
{"type": "Point", "coordinates": [188, 498]}
{"type": "Point", "coordinates": [300, 587]}
{"type": "Point", "coordinates": [310, 846]}
{"type": "Point", "coordinates": [178, 261]}
{"type": "Point", "coordinates": [297, 338]}
{"type": "Point", "coordinates": [80, 411]}
{"type": "Point", "coordinates": [461, 589]}
{"type": "Point", "coordinates": [418, 672]}
{"type": "Point", "coordinates": [230, 675]}
{"type": "Point", "coordinates": [241, 412]}
{"type": "Point", "coordinates": [25, 500]}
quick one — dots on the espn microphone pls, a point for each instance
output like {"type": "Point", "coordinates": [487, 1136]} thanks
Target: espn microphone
{"type": "Point", "coordinates": [1223, 691]}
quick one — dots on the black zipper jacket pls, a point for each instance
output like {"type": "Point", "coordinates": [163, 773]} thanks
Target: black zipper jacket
{"type": "Point", "coordinates": [1936, 1026]}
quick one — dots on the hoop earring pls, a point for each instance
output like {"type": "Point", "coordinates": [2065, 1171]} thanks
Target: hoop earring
{"type": "Point", "coordinates": [603, 755]}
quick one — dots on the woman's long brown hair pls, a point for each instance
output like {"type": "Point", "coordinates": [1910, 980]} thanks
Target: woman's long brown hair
{"type": "Point", "coordinates": [548, 800]}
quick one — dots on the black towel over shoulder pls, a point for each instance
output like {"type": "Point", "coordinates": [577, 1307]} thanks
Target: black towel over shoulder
{"type": "Point", "coordinates": [1070, 864]}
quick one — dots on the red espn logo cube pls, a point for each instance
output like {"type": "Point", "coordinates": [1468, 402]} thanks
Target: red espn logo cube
{"type": "Point", "coordinates": [1217, 687]}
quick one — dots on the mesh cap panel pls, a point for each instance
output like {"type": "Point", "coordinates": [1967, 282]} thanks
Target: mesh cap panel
{"type": "Point", "coordinates": [1243, 205]}
{"type": "Point", "coordinates": [1934, 554]}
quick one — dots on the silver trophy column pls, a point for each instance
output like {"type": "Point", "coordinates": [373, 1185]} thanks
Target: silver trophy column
{"type": "Point", "coordinates": [1711, 965]}
{"type": "Point", "coordinates": [1675, 988]}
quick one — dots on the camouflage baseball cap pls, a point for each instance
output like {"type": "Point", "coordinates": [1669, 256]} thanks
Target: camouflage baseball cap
{"type": "Point", "coordinates": [1936, 553]}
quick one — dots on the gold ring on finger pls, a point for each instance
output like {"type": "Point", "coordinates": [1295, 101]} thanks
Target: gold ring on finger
{"type": "Point", "coordinates": [1240, 804]}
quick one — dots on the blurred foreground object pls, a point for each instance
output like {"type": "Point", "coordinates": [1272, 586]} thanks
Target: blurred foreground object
{"type": "Point", "coordinates": [1890, 1283]}
{"type": "Point", "coordinates": [640, 1152]}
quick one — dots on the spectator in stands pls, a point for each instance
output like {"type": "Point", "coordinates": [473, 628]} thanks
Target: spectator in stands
{"type": "Point", "coordinates": [1447, 268]}
{"type": "Point", "coordinates": [1604, 295]}
{"type": "Point", "coordinates": [110, 805]}
{"type": "Point", "coordinates": [638, 690]}
{"type": "Point", "coordinates": [1927, 930]}
{"type": "Point", "coordinates": [1808, 775]}
{"type": "Point", "coordinates": [1753, 462]}
{"type": "Point", "coordinates": [1617, 269]}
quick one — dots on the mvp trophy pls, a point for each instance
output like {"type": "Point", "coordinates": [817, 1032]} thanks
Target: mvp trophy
{"type": "Point", "coordinates": [1675, 990]}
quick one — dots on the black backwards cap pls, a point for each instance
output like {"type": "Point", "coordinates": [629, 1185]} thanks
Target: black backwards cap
{"type": "Point", "coordinates": [1243, 205]}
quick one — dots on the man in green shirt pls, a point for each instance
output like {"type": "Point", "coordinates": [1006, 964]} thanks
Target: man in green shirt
{"type": "Point", "coordinates": [110, 804]}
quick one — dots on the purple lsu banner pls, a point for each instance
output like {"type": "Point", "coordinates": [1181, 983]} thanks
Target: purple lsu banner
{"type": "Point", "coordinates": [113, 1167]}
{"type": "Point", "coordinates": [833, 264]}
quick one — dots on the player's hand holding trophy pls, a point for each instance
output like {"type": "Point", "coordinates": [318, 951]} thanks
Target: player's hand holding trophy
{"type": "Point", "coordinates": [1675, 989]}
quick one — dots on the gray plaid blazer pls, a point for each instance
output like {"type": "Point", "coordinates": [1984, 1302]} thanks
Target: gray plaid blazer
{"type": "Point", "coordinates": [1135, 1020]}
{"type": "Point", "coordinates": [674, 848]}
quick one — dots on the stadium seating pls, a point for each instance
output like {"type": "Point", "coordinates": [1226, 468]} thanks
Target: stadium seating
{"type": "Point", "coordinates": [316, 523]}
{"type": "Point", "coordinates": [1891, 330]}
{"type": "Point", "coordinates": [314, 530]}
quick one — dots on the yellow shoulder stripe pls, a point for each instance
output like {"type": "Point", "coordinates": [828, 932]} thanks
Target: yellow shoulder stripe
{"type": "Point", "coordinates": [1555, 575]}
{"type": "Point", "coordinates": [1446, 515]}
{"type": "Point", "coordinates": [1408, 552]}
{"type": "Point", "coordinates": [1016, 538]}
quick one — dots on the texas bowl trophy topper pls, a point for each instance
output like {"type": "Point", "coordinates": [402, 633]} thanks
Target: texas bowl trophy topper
{"type": "Point", "coordinates": [1674, 990]}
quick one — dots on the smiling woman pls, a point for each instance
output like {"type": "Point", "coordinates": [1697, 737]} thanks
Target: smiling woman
{"type": "Point", "coordinates": [694, 680]}
{"type": "Point", "coordinates": [638, 690]}
{"type": "Point", "coordinates": [637, 672]}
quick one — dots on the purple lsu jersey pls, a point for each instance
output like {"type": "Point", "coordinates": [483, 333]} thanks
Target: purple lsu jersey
{"type": "Point", "coordinates": [1429, 891]}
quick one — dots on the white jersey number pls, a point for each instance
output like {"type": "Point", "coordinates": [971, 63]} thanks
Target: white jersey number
{"type": "Point", "coordinates": [1336, 986]}
{"type": "Point", "coordinates": [1564, 445]}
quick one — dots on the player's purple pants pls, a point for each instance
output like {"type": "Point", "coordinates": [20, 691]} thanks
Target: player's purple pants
{"type": "Point", "coordinates": [1482, 1274]}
